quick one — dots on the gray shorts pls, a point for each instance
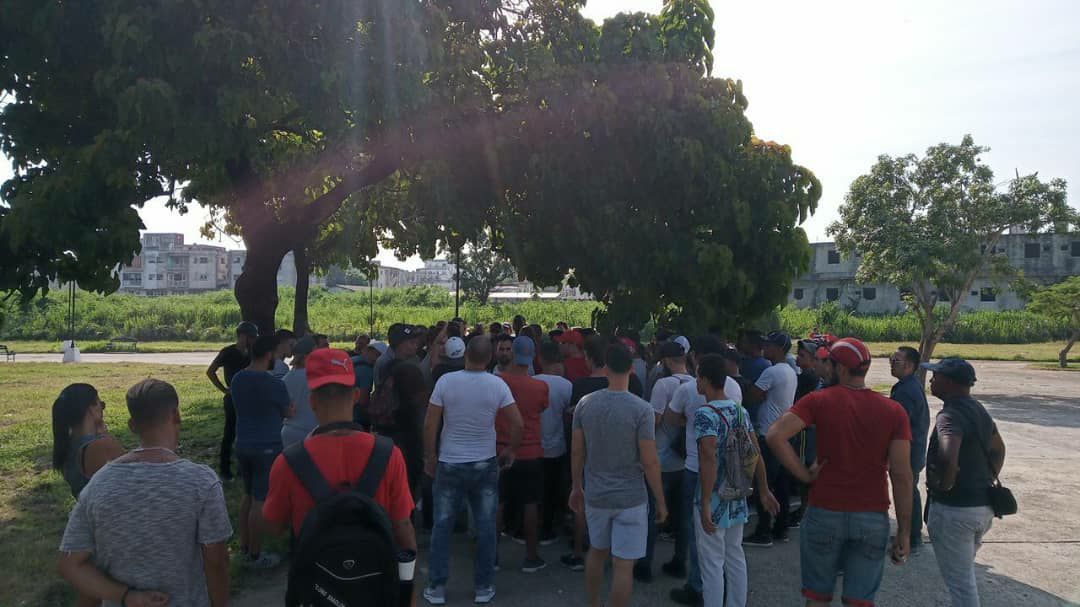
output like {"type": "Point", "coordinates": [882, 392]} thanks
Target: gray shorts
{"type": "Point", "coordinates": [623, 531]}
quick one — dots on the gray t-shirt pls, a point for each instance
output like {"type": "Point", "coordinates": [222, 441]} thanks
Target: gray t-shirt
{"type": "Point", "coordinates": [297, 427]}
{"type": "Point", "coordinates": [779, 382]}
{"type": "Point", "coordinates": [552, 435]}
{"type": "Point", "coordinates": [146, 523]}
{"type": "Point", "coordinates": [687, 401]}
{"type": "Point", "coordinates": [613, 423]}
{"type": "Point", "coordinates": [662, 393]}
{"type": "Point", "coordinates": [470, 402]}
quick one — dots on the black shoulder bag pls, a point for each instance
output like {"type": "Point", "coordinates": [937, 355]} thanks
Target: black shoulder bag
{"type": "Point", "coordinates": [1002, 501]}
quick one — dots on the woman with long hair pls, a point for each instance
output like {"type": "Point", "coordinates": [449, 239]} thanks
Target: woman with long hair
{"type": "Point", "coordinates": [81, 442]}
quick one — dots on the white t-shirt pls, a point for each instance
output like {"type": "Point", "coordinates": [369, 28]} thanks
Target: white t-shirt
{"type": "Point", "coordinates": [779, 382]}
{"type": "Point", "coordinates": [662, 392]}
{"type": "Point", "coordinates": [470, 401]}
{"type": "Point", "coordinates": [687, 401]}
{"type": "Point", "coordinates": [551, 420]}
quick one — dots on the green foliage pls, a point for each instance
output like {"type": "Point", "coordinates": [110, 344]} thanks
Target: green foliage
{"type": "Point", "coordinates": [981, 327]}
{"type": "Point", "coordinates": [211, 317]}
{"type": "Point", "coordinates": [1060, 302]}
{"type": "Point", "coordinates": [929, 225]}
{"type": "Point", "coordinates": [483, 268]}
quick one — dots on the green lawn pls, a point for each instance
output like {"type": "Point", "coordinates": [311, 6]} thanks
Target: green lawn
{"type": "Point", "coordinates": [91, 346]}
{"type": "Point", "coordinates": [1039, 352]}
{"type": "Point", "coordinates": [34, 501]}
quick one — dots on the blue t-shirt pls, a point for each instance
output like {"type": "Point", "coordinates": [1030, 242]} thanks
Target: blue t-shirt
{"type": "Point", "coordinates": [261, 401]}
{"type": "Point", "coordinates": [365, 373]}
{"type": "Point", "coordinates": [911, 396]}
{"type": "Point", "coordinates": [752, 368]}
{"type": "Point", "coordinates": [707, 422]}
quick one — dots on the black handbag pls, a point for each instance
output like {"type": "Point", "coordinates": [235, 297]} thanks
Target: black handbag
{"type": "Point", "coordinates": [1002, 501]}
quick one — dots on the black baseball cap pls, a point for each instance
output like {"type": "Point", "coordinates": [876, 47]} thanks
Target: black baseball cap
{"type": "Point", "coordinates": [670, 349]}
{"type": "Point", "coordinates": [247, 328]}
{"type": "Point", "coordinates": [399, 334]}
{"type": "Point", "coordinates": [954, 368]}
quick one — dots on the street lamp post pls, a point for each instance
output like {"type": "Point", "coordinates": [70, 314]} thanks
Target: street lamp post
{"type": "Point", "coordinates": [457, 285]}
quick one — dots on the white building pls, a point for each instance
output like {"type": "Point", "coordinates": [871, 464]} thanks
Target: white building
{"type": "Point", "coordinates": [167, 266]}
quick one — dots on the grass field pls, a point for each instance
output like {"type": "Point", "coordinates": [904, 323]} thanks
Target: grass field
{"type": "Point", "coordinates": [35, 501]}
{"type": "Point", "coordinates": [94, 346]}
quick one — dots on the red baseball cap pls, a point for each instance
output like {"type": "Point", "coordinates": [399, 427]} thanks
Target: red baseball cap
{"type": "Point", "coordinates": [629, 343]}
{"type": "Point", "coordinates": [326, 366]}
{"type": "Point", "coordinates": [850, 353]}
{"type": "Point", "coordinates": [572, 337]}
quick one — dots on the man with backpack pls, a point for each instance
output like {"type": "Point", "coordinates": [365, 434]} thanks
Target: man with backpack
{"type": "Point", "coordinates": [346, 496]}
{"type": "Point", "coordinates": [729, 457]}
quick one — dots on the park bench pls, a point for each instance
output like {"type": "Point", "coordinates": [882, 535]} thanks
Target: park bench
{"type": "Point", "coordinates": [9, 355]}
{"type": "Point", "coordinates": [122, 344]}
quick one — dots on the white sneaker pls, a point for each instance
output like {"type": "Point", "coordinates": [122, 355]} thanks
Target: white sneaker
{"type": "Point", "coordinates": [435, 595]}
{"type": "Point", "coordinates": [484, 595]}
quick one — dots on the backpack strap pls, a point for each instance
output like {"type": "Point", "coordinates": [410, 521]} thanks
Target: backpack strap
{"type": "Point", "coordinates": [376, 466]}
{"type": "Point", "coordinates": [305, 469]}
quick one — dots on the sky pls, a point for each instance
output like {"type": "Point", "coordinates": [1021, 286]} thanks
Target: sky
{"type": "Point", "coordinates": [844, 81]}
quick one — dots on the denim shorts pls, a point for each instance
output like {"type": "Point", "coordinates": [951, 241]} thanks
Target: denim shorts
{"type": "Point", "coordinates": [854, 542]}
{"type": "Point", "coordinates": [255, 467]}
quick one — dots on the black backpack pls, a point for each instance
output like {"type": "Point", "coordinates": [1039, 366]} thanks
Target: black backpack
{"type": "Point", "coordinates": [345, 555]}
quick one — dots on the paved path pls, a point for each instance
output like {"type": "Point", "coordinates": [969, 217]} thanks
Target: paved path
{"type": "Point", "coordinates": [1026, 560]}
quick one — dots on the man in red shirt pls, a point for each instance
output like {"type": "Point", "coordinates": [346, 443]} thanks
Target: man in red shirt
{"type": "Point", "coordinates": [862, 436]}
{"type": "Point", "coordinates": [523, 483]}
{"type": "Point", "coordinates": [340, 450]}
{"type": "Point", "coordinates": [572, 344]}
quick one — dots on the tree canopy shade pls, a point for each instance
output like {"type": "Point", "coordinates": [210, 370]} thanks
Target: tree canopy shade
{"type": "Point", "coordinates": [1061, 301]}
{"type": "Point", "coordinates": [929, 226]}
{"type": "Point", "coordinates": [604, 153]}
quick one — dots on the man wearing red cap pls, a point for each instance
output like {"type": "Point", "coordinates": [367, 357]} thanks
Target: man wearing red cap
{"type": "Point", "coordinates": [863, 436]}
{"type": "Point", "coordinates": [341, 451]}
{"type": "Point", "coordinates": [572, 344]}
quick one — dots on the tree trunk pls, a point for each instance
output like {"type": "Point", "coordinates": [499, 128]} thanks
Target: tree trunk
{"type": "Point", "coordinates": [1063, 357]}
{"type": "Point", "coordinates": [303, 283]}
{"type": "Point", "coordinates": [256, 288]}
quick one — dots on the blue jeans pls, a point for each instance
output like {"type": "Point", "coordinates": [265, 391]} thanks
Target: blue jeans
{"type": "Point", "coordinates": [853, 541]}
{"type": "Point", "coordinates": [477, 482]}
{"type": "Point", "coordinates": [690, 485]}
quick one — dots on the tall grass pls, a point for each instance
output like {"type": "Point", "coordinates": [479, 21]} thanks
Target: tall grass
{"type": "Point", "coordinates": [211, 317]}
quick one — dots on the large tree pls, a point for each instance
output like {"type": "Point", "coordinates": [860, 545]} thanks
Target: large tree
{"type": "Point", "coordinates": [1061, 301]}
{"type": "Point", "coordinates": [930, 226]}
{"type": "Point", "coordinates": [606, 153]}
{"type": "Point", "coordinates": [483, 268]}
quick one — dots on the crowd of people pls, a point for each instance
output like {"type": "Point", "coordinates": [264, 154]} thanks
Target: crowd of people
{"type": "Point", "coordinates": [512, 432]}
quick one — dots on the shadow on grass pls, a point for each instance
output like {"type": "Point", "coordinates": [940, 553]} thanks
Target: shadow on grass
{"type": "Point", "coordinates": [1050, 411]}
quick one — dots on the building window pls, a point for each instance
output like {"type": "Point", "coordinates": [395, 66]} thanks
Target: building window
{"type": "Point", "coordinates": [204, 260]}
{"type": "Point", "coordinates": [987, 294]}
{"type": "Point", "coordinates": [869, 293]}
{"type": "Point", "coordinates": [832, 294]}
{"type": "Point", "coordinates": [1075, 248]}
{"type": "Point", "coordinates": [1032, 250]}
{"type": "Point", "coordinates": [834, 257]}
{"type": "Point", "coordinates": [797, 294]}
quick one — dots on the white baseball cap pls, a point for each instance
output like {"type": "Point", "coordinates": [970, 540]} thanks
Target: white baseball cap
{"type": "Point", "coordinates": [378, 346]}
{"type": "Point", "coordinates": [455, 347]}
{"type": "Point", "coordinates": [685, 343]}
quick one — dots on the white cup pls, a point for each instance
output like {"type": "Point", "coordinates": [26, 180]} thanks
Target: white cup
{"type": "Point", "coordinates": [406, 566]}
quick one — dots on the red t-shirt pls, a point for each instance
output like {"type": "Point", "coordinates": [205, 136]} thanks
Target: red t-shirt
{"type": "Point", "coordinates": [531, 396]}
{"type": "Point", "coordinates": [341, 459]}
{"type": "Point", "coordinates": [575, 368]}
{"type": "Point", "coordinates": [854, 430]}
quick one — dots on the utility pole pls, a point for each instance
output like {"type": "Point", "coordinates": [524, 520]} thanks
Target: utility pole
{"type": "Point", "coordinates": [457, 285]}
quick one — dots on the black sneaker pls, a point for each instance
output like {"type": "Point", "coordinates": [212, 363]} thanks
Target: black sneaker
{"type": "Point", "coordinates": [547, 539]}
{"type": "Point", "coordinates": [781, 537]}
{"type": "Point", "coordinates": [687, 596]}
{"type": "Point", "coordinates": [643, 575]}
{"type": "Point", "coordinates": [573, 563]}
{"type": "Point", "coordinates": [674, 569]}
{"type": "Point", "coordinates": [760, 540]}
